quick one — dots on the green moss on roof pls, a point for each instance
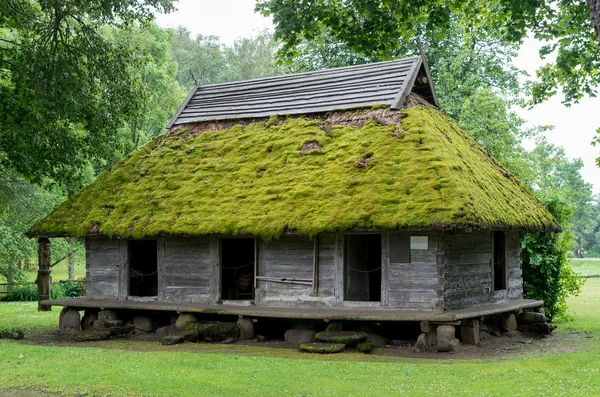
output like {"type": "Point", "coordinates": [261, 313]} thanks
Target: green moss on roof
{"type": "Point", "coordinates": [255, 180]}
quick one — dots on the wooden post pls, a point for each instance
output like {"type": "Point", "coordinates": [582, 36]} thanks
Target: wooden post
{"type": "Point", "coordinates": [316, 265]}
{"type": "Point", "coordinates": [43, 278]}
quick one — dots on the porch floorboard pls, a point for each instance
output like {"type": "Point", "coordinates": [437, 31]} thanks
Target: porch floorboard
{"type": "Point", "coordinates": [323, 313]}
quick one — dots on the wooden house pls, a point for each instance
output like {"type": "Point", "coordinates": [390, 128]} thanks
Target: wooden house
{"type": "Point", "coordinates": [340, 194]}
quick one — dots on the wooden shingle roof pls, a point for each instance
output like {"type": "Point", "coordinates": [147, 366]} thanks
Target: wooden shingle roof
{"type": "Point", "coordinates": [381, 83]}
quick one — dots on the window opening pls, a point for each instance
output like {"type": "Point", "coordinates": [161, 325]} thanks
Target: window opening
{"type": "Point", "coordinates": [143, 268]}
{"type": "Point", "coordinates": [499, 261]}
{"type": "Point", "coordinates": [237, 268]}
{"type": "Point", "coordinates": [363, 267]}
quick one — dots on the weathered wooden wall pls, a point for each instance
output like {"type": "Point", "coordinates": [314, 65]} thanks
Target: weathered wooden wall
{"type": "Point", "coordinates": [417, 284]}
{"type": "Point", "coordinates": [187, 269]}
{"type": "Point", "coordinates": [467, 261]}
{"type": "Point", "coordinates": [289, 257]}
{"type": "Point", "coordinates": [454, 272]}
{"type": "Point", "coordinates": [102, 267]}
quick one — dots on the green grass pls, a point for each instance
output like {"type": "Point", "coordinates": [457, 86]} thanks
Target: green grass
{"type": "Point", "coordinates": [586, 266]}
{"type": "Point", "coordinates": [125, 368]}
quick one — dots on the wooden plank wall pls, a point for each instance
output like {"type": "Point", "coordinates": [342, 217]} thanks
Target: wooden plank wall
{"type": "Point", "coordinates": [326, 265]}
{"type": "Point", "coordinates": [102, 267]}
{"type": "Point", "coordinates": [188, 268]}
{"type": "Point", "coordinates": [288, 257]}
{"type": "Point", "coordinates": [515, 274]}
{"type": "Point", "coordinates": [468, 260]}
{"type": "Point", "coordinates": [417, 285]}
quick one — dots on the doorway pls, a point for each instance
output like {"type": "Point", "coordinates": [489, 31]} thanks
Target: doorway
{"type": "Point", "coordinates": [362, 267]}
{"type": "Point", "coordinates": [237, 268]}
{"type": "Point", "coordinates": [143, 268]}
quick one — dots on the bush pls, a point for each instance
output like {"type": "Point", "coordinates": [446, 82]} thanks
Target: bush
{"type": "Point", "coordinates": [23, 293]}
{"type": "Point", "coordinates": [547, 274]}
{"type": "Point", "coordinates": [60, 290]}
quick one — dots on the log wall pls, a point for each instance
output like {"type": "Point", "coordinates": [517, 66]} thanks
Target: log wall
{"type": "Point", "coordinates": [467, 267]}
{"type": "Point", "coordinates": [102, 260]}
{"type": "Point", "coordinates": [455, 271]}
{"type": "Point", "coordinates": [416, 282]}
{"type": "Point", "coordinates": [187, 269]}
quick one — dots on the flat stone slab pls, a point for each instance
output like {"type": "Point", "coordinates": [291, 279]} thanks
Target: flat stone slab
{"type": "Point", "coordinates": [322, 348]}
{"type": "Point", "coordinates": [348, 338]}
{"type": "Point", "coordinates": [172, 340]}
{"type": "Point", "coordinates": [92, 335]}
{"type": "Point", "coordinates": [544, 328]}
{"type": "Point", "coordinates": [213, 332]}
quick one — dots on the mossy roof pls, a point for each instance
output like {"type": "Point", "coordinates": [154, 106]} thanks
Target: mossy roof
{"type": "Point", "coordinates": [417, 172]}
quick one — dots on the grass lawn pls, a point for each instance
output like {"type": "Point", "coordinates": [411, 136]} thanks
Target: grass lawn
{"type": "Point", "coordinates": [122, 368]}
{"type": "Point", "coordinates": [586, 266]}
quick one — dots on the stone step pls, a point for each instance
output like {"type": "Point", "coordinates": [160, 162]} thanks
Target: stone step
{"type": "Point", "coordinates": [322, 348]}
{"type": "Point", "coordinates": [348, 338]}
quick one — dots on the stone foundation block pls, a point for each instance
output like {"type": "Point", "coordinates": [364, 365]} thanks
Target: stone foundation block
{"type": "Point", "coordinates": [246, 326]}
{"type": "Point", "coordinates": [539, 328]}
{"type": "Point", "coordinates": [427, 327]}
{"type": "Point", "coordinates": [87, 321]}
{"type": "Point", "coordinates": [446, 341]}
{"type": "Point", "coordinates": [183, 319]}
{"type": "Point", "coordinates": [422, 342]}
{"type": "Point", "coordinates": [69, 321]}
{"type": "Point", "coordinates": [531, 318]}
{"type": "Point", "coordinates": [469, 332]}
{"type": "Point", "coordinates": [107, 315]}
{"type": "Point", "coordinates": [144, 323]}
{"type": "Point", "coordinates": [509, 323]}
{"type": "Point", "coordinates": [299, 336]}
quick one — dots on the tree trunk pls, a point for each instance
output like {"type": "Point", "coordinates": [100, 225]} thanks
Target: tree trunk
{"type": "Point", "coordinates": [43, 280]}
{"type": "Point", "coordinates": [594, 6]}
{"type": "Point", "coordinates": [70, 259]}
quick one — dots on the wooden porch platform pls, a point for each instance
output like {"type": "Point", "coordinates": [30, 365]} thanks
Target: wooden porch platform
{"type": "Point", "coordinates": [327, 313]}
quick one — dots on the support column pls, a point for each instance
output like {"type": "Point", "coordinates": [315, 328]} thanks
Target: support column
{"type": "Point", "coordinates": [43, 279]}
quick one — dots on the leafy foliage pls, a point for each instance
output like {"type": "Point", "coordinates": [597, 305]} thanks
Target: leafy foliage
{"type": "Point", "coordinates": [379, 29]}
{"type": "Point", "coordinates": [546, 271]}
{"type": "Point", "coordinates": [64, 88]}
{"type": "Point", "coordinates": [29, 292]}
{"type": "Point", "coordinates": [203, 60]}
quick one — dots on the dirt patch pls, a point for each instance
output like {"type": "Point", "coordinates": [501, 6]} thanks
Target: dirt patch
{"type": "Point", "coordinates": [310, 146]}
{"type": "Point", "coordinates": [25, 393]}
{"type": "Point", "coordinates": [491, 348]}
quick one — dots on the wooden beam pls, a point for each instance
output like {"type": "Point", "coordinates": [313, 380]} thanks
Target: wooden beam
{"type": "Point", "coordinates": [160, 267]}
{"type": "Point", "coordinates": [316, 266]}
{"type": "Point", "coordinates": [385, 268]}
{"type": "Point", "coordinates": [338, 271]}
{"type": "Point", "coordinates": [43, 279]}
{"type": "Point", "coordinates": [214, 290]}
{"type": "Point", "coordinates": [123, 275]}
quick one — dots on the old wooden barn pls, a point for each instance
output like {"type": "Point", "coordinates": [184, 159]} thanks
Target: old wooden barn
{"type": "Point", "coordinates": [340, 194]}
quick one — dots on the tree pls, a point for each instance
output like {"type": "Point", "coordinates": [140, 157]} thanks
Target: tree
{"type": "Point", "coordinates": [377, 29]}
{"type": "Point", "coordinates": [157, 75]}
{"type": "Point", "coordinates": [65, 89]}
{"type": "Point", "coordinates": [555, 172]}
{"type": "Point", "coordinates": [203, 60]}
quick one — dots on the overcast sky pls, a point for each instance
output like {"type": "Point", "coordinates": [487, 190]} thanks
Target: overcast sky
{"type": "Point", "coordinates": [574, 126]}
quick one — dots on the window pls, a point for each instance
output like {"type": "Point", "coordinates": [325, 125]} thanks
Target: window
{"type": "Point", "coordinates": [143, 268]}
{"type": "Point", "coordinates": [362, 267]}
{"type": "Point", "coordinates": [499, 271]}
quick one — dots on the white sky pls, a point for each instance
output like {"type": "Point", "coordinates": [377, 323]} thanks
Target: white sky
{"type": "Point", "coordinates": [574, 127]}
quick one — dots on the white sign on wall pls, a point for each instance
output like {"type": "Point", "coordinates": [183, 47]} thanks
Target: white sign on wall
{"type": "Point", "coordinates": [419, 242]}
